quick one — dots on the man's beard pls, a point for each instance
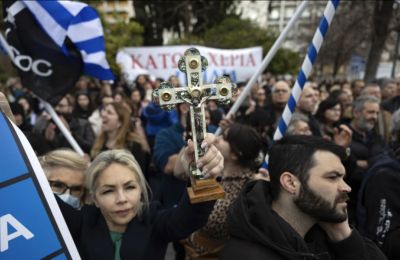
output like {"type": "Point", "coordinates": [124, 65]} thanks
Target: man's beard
{"type": "Point", "coordinates": [319, 208]}
{"type": "Point", "coordinates": [365, 125]}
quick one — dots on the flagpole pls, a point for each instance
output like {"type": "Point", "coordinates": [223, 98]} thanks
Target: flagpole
{"type": "Point", "coordinates": [48, 107]}
{"type": "Point", "coordinates": [62, 127]}
{"type": "Point", "coordinates": [271, 53]}
{"type": "Point", "coordinates": [306, 67]}
{"type": "Point", "coordinates": [4, 43]}
{"type": "Point", "coordinates": [304, 72]}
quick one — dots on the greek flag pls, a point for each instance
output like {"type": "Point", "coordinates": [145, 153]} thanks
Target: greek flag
{"type": "Point", "coordinates": [2, 49]}
{"type": "Point", "coordinates": [81, 24]}
{"type": "Point", "coordinates": [46, 69]}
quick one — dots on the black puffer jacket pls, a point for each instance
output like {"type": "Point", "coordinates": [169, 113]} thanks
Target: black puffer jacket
{"type": "Point", "coordinates": [257, 232]}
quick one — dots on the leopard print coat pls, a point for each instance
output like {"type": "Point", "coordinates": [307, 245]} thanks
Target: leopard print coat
{"type": "Point", "coordinates": [216, 227]}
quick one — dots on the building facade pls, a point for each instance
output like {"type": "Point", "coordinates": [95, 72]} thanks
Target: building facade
{"type": "Point", "coordinates": [117, 10]}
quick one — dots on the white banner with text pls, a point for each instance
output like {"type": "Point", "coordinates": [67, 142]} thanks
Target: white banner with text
{"type": "Point", "coordinates": [162, 62]}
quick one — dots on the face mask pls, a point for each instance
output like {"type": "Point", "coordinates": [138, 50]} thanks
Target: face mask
{"type": "Point", "coordinates": [70, 200]}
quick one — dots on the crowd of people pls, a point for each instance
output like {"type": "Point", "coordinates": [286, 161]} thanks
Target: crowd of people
{"type": "Point", "coordinates": [329, 191]}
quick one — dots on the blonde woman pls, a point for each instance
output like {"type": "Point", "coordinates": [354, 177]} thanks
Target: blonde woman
{"type": "Point", "coordinates": [65, 171]}
{"type": "Point", "coordinates": [122, 223]}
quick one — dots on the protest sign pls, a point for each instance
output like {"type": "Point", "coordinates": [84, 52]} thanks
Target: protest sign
{"type": "Point", "coordinates": [162, 62]}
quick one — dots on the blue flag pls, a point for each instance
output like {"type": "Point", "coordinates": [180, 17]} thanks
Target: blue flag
{"type": "Point", "coordinates": [81, 24]}
{"type": "Point", "coordinates": [2, 49]}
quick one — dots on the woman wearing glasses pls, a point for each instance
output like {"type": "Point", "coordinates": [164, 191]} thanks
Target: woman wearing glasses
{"type": "Point", "coordinates": [65, 171]}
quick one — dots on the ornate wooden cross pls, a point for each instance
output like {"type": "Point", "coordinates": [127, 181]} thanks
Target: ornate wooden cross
{"type": "Point", "coordinates": [196, 94]}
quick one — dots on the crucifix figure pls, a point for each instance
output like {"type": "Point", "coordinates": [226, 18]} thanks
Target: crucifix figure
{"type": "Point", "coordinates": [196, 94]}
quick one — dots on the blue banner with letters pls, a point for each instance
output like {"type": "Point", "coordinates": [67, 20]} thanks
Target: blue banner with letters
{"type": "Point", "coordinates": [31, 224]}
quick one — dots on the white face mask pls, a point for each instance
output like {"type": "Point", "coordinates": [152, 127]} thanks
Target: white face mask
{"type": "Point", "coordinates": [70, 200]}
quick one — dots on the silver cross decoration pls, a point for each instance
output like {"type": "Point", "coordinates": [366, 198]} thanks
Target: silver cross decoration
{"type": "Point", "coordinates": [195, 94]}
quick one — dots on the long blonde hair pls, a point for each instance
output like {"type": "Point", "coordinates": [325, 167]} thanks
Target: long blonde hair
{"type": "Point", "coordinates": [125, 134]}
{"type": "Point", "coordinates": [122, 157]}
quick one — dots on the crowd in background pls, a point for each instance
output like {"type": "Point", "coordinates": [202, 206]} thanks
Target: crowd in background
{"type": "Point", "coordinates": [362, 117]}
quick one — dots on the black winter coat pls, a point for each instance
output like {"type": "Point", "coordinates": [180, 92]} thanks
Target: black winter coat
{"type": "Point", "coordinates": [80, 129]}
{"type": "Point", "coordinates": [145, 238]}
{"type": "Point", "coordinates": [257, 232]}
{"type": "Point", "coordinates": [378, 209]}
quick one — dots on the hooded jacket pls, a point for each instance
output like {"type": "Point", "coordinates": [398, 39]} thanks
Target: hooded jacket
{"type": "Point", "coordinates": [258, 232]}
{"type": "Point", "coordinates": [378, 209]}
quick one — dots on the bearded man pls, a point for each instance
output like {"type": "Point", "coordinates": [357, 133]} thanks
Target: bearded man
{"type": "Point", "coordinates": [366, 142]}
{"type": "Point", "coordinates": [302, 212]}
{"type": "Point", "coordinates": [80, 129]}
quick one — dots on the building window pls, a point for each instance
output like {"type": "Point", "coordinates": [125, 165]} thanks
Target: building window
{"type": "Point", "coordinates": [289, 12]}
{"type": "Point", "coordinates": [274, 15]}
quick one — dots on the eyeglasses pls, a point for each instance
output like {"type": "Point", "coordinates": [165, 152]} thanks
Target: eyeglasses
{"type": "Point", "coordinates": [60, 188]}
{"type": "Point", "coordinates": [304, 131]}
{"type": "Point", "coordinates": [280, 91]}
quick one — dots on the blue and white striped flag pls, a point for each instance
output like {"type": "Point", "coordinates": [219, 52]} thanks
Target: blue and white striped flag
{"type": "Point", "coordinates": [81, 24]}
{"type": "Point", "coordinates": [46, 69]}
{"type": "Point", "coordinates": [2, 49]}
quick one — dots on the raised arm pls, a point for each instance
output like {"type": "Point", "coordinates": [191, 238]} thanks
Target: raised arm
{"type": "Point", "coordinates": [347, 243]}
{"type": "Point", "coordinates": [178, 223]}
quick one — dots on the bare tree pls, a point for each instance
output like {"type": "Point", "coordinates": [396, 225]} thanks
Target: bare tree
{"type": "Point", "coordinates": [181, 17]}
{"type": "Point", "coordinates": [382, 16]}
{"type": "Point", "coordinates": [348, 35]}
{"type": "Point", "coordinates": [395, 26]}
